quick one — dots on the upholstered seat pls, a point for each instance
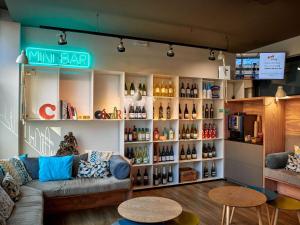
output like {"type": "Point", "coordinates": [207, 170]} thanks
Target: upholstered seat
{"type": "Point", "coordinates": [283, 175]}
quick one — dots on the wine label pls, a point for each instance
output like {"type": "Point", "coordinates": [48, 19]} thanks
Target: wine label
{"type": "Point", "coordinates": [132, 92]}
{"type": "Point", "coordinates": [188, 157]}
{"type": "Point", "coordinates": [188, 91]}
{"type": "Point", "coordinates": [182, 157]}
{"type": "Point", "coordinates": [194, 156]}
{"type": "Point", "coordinates": [182, 91]}
{"type": "Point", "coordinates": [170, 179]}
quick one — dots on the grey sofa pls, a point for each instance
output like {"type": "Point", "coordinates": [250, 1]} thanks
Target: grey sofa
{"type": "Point", "coordinates": [56, 196]}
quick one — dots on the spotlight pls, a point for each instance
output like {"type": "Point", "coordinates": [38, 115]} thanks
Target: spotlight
{"type": "Point", "coordinates": [212, 55]}
{"type": "Point", "coordinates": [170, 52]}
{"type": "Point", "coordinates": [22, 58]}
{"type": "Point", "coordinates": [62, 38]}
{"type": "Point", "coordinates": [221, 56]}
{"type": "Point", "coordinates": [121, 47]}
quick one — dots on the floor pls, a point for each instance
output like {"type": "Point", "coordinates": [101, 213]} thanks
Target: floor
{"type": "Point", "coordinates": [191, 197]}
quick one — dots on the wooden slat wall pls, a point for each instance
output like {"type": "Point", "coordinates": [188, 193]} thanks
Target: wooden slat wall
{"type": "Point", "coordinates": [292, 123]}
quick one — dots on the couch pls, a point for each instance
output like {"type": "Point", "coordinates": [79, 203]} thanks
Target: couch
{"type": "Point", "coordinates": [79, 193]}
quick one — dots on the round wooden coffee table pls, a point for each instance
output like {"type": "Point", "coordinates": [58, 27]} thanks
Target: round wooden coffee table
{"type": "Point", "coordinates": [150, 209]}
{"type": "Point", "coordinates": [237, 197]}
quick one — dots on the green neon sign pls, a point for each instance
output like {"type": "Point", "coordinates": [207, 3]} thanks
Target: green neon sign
{"type": "Point", "coordinates": [62, 58]}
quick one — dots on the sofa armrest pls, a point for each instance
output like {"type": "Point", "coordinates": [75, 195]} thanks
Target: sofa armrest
{"type": "Point", "coordinates": [120, 167]}
{"type": "Point", "coordinates": [277, 160]}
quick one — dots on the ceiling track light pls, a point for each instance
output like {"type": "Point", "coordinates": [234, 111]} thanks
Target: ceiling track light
{"type": "Point", "coordinates": [212, 55]}
{"type": "Point", "coordinates": [121, 47]}
{"type": "Point", "coordinates": [170, 52]}
{"type": "Point", "coordinates": [62, 38]}
{"type": "Point", "coordinates": [22, 58]}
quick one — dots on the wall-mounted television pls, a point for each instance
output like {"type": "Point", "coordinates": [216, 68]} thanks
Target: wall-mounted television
{"type": "Point", "coordinates": [260, 66]}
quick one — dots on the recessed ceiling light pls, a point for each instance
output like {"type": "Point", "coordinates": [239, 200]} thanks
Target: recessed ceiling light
{"type": "Point", "coordinates": [170, 52]}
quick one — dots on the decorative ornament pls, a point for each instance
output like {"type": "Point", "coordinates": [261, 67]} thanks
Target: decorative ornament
{"type": "Point", "coordinates": [68, 146]}
{"type": "Point", "coordinates": [44, 111]}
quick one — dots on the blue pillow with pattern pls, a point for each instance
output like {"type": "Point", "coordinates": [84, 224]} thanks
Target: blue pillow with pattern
{"type": "Point", "coordinates": [2, 174]}
{"type": "Point", "coordinates": [99, 169]}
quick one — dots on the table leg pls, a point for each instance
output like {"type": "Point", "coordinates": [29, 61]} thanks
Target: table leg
{"type": "Point", "coordinates": [298, 214]}
{"type": "Point", "coordinates": [268, 214]}
{"type": "Point", "coordinates": [258, 212]}
{"type": "Point", "coordinates": [227, 215]}
{"type": "Point", "coordinates": [223, 214]}
{"type": "Point", "coordinates": [232, 212]}
{"type": "Point", "coordinates": [275, 217]}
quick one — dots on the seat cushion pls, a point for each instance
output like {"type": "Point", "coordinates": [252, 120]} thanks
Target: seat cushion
{"type": "Point", "coordinates": [277, 160]}
{"type": "Point", "coordinates": [283, 175]}
{"type": "Point", "coordinates": [32, 166]}
{"type": "Point", "coordinates": [79, 186]}
{"type": "Point", "coordinates": [29, 209]}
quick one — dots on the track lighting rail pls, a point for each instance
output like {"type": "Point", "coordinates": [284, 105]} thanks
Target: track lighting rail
{"type": "Point", "coordinates": [63, 29]}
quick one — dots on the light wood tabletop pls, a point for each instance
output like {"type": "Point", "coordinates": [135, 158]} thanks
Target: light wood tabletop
{"type": "Point", "coordinates": [150, 209]}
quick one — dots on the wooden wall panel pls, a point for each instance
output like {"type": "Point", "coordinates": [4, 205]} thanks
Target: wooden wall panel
{"type": "Point", "coordinates": [292, 123]}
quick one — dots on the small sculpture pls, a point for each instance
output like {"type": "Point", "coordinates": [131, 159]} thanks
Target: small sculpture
{"type": "Point", "coordinates": [68, 146]}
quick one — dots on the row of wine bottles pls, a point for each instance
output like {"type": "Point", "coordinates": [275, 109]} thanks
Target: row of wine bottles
{"type": "Point", "coordinates": [210, 90]}
{"type": "Point", "coordinates": [213, 170]}
{"type": "Point", "coordinates": [208, 151]}
{"type": "Point", "coordinates": [209, 131]}
{"type": "Point", "coordinates": [188, 154]}
{"type": "Point", "coordinates": [138, 155]}
{"type": "Point", "coordinates": [166, 134]}
{"type": "Point", "coordinates": [189, 92]}
{"type": "Point", "coordinates": [163, 154]}
{"type": "Point", "coordinates": [136, 134]}
{"type": "Point", "coordinates": [138, 112]}
{"type": "Point", "coordinates": [131, 91]}
{"type": "Point", "coordinates": [164, 88]}
{"type": "Point", "coordinates": [186, 133]}
{"type": "Point", "coordinates": [161, 176]}
{"type": "Point", "coordinates": [186, 114]}
{"type": "Point", "coordinates": [208, 112]}
{"type": "Point", "coordinates": [163, 114]}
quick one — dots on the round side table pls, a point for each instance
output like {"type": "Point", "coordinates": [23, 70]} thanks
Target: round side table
{"type": "Point", "coordinates": [237, 197]}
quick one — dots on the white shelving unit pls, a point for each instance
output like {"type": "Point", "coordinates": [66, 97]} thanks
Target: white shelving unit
{"type": "Point", "coordinates": [90, 90]}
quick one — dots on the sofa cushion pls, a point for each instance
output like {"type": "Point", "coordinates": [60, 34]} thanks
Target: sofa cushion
{"type": "Point", "coordinates": [293, 163]}
{"type": "Point", "coordinates": [76, 161]}
{"type": "Point", "coordinates": [2, 174]}
{"type": "Point", "coordinates": [7, 205]}
{"type": "Point", "coordinates": [283, 175]}
{"type": "Point", "coordinates": [11, 187]}
{"type": "Point", "coordinates": [8, 167]}
{"type": "Point", "coordinates": [29, 209]}
{"type": "Point", "coordinates": [2, 220]}
{"type": "Point", "coordinates": [277, 160]}
{"type": "Point", "coordinates": [93, 169]}
{"type": "Point", "coordinates": [119, 167]}
{"type": "Point", "coordinates": [79, 186]}
{"type": "Point", "coordinates": [32, 166]}
{"type": "Point", "coordinates": [21, 170]}
{"type": "Point", "coordinates": [94, 156]}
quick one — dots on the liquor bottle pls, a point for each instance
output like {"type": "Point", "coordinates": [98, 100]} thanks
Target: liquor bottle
{"type": "Point", "coordinates": [165, 133]}
{"type": "Point", "coordinates": [155, 154]}
{"type": "Point", "coordinates": [204, 92]}
{"type": "Point", "coordinates": [192, 131]}
{"type": "Point", "coordinates": [204, 131]}
{"type": "Point", "coordinates": [188, 91]}
{"type": "Point", "coordinates": [213, 170]}
{"type": "Point", "coordinates": [206, 115]}
{"type": "Point", "coordinates": [163, 89]}
{"type": "Point", "coordinates": [171, 134]}
{"type": "Point", "coordinates": [125, 135]}
{"type": "Point", "coordinates": [208, 91]}
{"type": "Point", "coordinates": [182, 91]}
{"type": "Point", "coordinates": [171, 90]}
{"type": "Point", "coordinates": [159, 176]}
{"type": "Point", "coordinates": [144, 113]}
{"type": "Point", "coordinates": [188, 153]}
{"type": "Point", "coordinates": [129, 135]}
{"type": "Point", "coordinates": [167, 154]}
{"type": "Point", "coordinates": [213, 150]}
{"type": "Point", "coordinates": [139, 135]}
{"type": "Point", "coordinates": [204, 152]}
{"type": "Point", "coordinates": [171, 153]}
{"type": "Point", "coordinates": [147, 134]}
{"type": "Point", "coordinates": [163, 155]}
{"type": "Point", "coordinates": [132, 89]}
{"type": "Point", "coordinates": [194, 112]}
{"type": "Point", "coordinates": [182, 154]}
{"type": "Point", "coordinates": [155, 177]}
{"type": "Point", "coordinates": [192, 91]}
{"type": "Point", "coordinates": [187, 132]}
{"type": "Point", "coordinates": [209, 151]}
{"type": "Point", "coordinates": [186, 112]}
{"type": "Point", "coordinates": [168, 112]}
{"type": "Point", "coordinates": [138, 178]}
{"type": "Point", "coordinates": [211, 111]}
{"type": "Point", "coordinates": [144, 92]}
{"type": "Point", "coordinates": [156, 134]}
{"type": "Point", "coordinates": [160, 155]}
{"type": "Point", "coordinates": [180, 112]}
{"type": "Point", "coordinates": [183, 134]}
{"type": "Point", "coordinates": [170, 175]}
{"type": "Point", "coordinates": [203, 111]}
{"type": "Point", "coordinates": [131, 156]}
{"type": "Point", "coordinates": [146, 178]}
{"type": "Point", "coordinates": [195, 91]}
{"type": "Point", "coordinates": [195, 132]}
{"type": "Point", "coordinates": [205, 171]}
{"type": "Point", "coordinates": [138, 112]}
{"type": "Point", "coordinates": [161, 112]}
{"type": "Point", "coordinates": [194, 152]}
{"type": "Point", "coordinates": [164, 176]}
{"type": "Point", "coordinates": [214, 131]}
{"type": "Point", "coordinates": [157, 90]}
{"type": "Point", "coordinates": [134, 134]}
{"type": "Point", "coordinates": [126, 90]}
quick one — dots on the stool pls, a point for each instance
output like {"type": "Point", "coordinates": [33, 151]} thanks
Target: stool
{"type": "Point", "coordinates": [284, 203]}
{"type": "Point", "coordinates": [185, 218]}
{"type": "Point", "coordinates": [129, 222]}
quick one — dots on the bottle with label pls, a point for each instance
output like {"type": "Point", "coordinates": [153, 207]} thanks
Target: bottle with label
{"type": "Point", "coordinates": [204, 152]}
{"type": "Point", "coordinates": [206, 114]}
{"type": "Point", "coordinates": [144, 90]}
{"type": "Point", "coordinates": [187, 132]}
{"type": "Point", "coordinates": [188, 91]}
{"type": "Point", "coordinates": [167, 154]}
{"type": "Point", "coordinates": [160, 155]}
{"type": "Point", "coordinates": [209, 151]}
{"type": "Point", "coordinates": [164, 176]}
{"type": "Point", "coordinates": [147, 134]}
{"type": "Point", "coordinates": [155, 177]}
{"type": "Point", "coordinates": [156, 134]}
{"type": "Point", "coordinates": [195, 132]}
{"type": "Point", "coordinates": [126, 90]}
{"type": "Point", "coordinates": [129, 135]}
{"type": "Point", "coordinates": [146, 178]}
{"type": "Point", "coordinates": [171, 90]}
{"type": "Point", "coordinates": [132, 89]}
{"type": "Point", "coordinates": [170, 175]}
{"type": "Point", "coordinates": [209, 92]}
{"type": "Point", "coordinates": [182, 90]}
{"type": "Point", "coordinates": [182, 154]}
{"type": "Point", "coordinates": [205, 171]}
{"type": "Point", "coordinates": [194, 112]}
{"type": "Point", "coordinates": [188, 153]}
{"type": "Point", "coordinates": [195, 91]}
{"type": "Point", "coordinates": [168, 111]}
{"type": "Point", "coordinates": [138, 178]}
{"type": "Point", "coordinates": [192, 131]}
{"type": "Point", "coordinates": [163, 155]}
{"type": "Point", "coordinates": [171, 134]}
{"type": "Point", "coordinates": [186, 112]}
{"type": "Point", "coordinates": [157, 90]}
{"type": "Point", "coordinates": [159, 176]}
{"type": "Point", "coordinates": [134, 134]}
{"type": "Point", "coordinates": [161, 112]}
{"type": "Point", "coordinates": [144, 113]}
{"type": "Point", "coordinates": [125, 135]}
{"type": "Point", "coordinates": [192, 91]}
{"type": "Point", "coordinates": [180, 112]}
{"type": "Point", "coordinates": [165, 133]}
{"type": "Point", "coordinates": [183, 134]}
{"type": "Point", "coordinates": [194, 152]}
{"type": "Point", "coordinates": [163, 89]}
{"type": "Point", "coordinates": [155, 154]}
{"type": "Point", "coordinates": [171, 153]}
{"type": "Point", "coordinates": [213, 150]}
{"type": "Point", "coordinates": [213, 170]}
{"type": "Point", "coordinates": [204, 92]}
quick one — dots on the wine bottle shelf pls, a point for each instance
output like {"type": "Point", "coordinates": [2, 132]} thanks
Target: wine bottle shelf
{"type": "Point", "coordinates": [197, 119]}
{"type": "Point", "coordinates": [165, 163]}
{"type": "Point", "coordinates": [137, 142]}
{"type": "Point", "coordinates": [190, 160]}
{"type": "Point", "coordinates": [183, 98]}
{"type": "Point", "coordinates": [164, 97]}
{"type": "Point", "coordinates": [142, 165]}
{"type": "Point", "coordinates": [189, 140]}
{"type": "Point", "coordinates": [212, 139]}
{"type": "Point", "coordinates": [212, 159]}
{"type": "Point", "coordinates": [165, 141]}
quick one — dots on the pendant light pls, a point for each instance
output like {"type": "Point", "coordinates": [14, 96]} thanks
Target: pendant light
{"type": "Point", "coordinates": [170, 52]}
{"type": "Point", "coordinates": [211, 56]}
{"type": "Point", "coordinates": [137, 95]}
{"type": "Point", "coordinates": [121, 47]}
{"type": "Point", "coordinates": [22, 58]}
{"type": "Point", "coordinates": [280, 93]}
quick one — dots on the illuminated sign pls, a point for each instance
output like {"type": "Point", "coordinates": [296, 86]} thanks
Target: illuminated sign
{"type": "Point", "coordinates": [62, 58]}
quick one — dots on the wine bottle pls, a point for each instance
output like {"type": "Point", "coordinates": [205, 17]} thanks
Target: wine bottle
{"type": "Point", "coordinates": [171, 134]}
{"type": "Point", "coordinates": [188, 153]}
{"type": "Point", "coordinates": [182, 154]}
{"type": "Point", "coordinates": [132, 89]}
{"type": "Point", "coordinates": [157, 90]}
{"type": "Point", "coordinates": [170, 175]}
{"type": "Point", "coordinates": [139, 112]}
{"type": "Point", "coordinates": [194, 112]}
{"type": "Point", "coordinates": [194, 152]}
{"type": "Point", "coordinates": [206, 111]}
{"type": "Point", "coordinates": [163, 89]}
{"type": "Point", "coordinates": [126, 90]}
{"type": "Point", "coordinates": [138, 178]}
{"type": "Point", "coordinates": [209, 151]}
{"type": "Point", "coordinates": [204, 92]}
{"type": "Point", "coordinates": [180, 112]}
{"type": "Point", "coordinates": [144, 113]}
{"type": "Point", "coordinates": [213, 170]}
{"type": "Point", "coordinates": [144, 90]}
{"type": "Point", "coordinates": [160, 155]}
{"type": "Point", "coordinates": [140, 88]}
{"type": "Point", "coordinates": [134, 134]}
{"type": "Point", "coordinates": [182, 91]}
{"type": "Point", "coordinates": [155, 177]}
{"type": "Point", "coordinates": [188, 91]}
{"type": "Point", "coordinates": [183, 134]}
{"type": "Point", "coordinates": [204, 152]}
{"type": "Point", "coordinates": [211, 111]}
{"type": "Point", "coordinates": [146, 178]}
{"type": "Point", "coordinates": [192, 131]}
{"type": "Point", "coordinates": [186, 112]}
{"type": "Point", "coordinates": [192, 91]}
{"type": "Point", "coordinates": [161, 112]}
{"type": "Point", "coordinates": [168, 112]}
{"type": "Point", "coordinates": [195, 91]}
{"type": "Point", "coordinates": [187, 132]}
{"type": "Point", "coordinates": [171, 90]}
{"type": "Point", "coordinates": [213, 149]}
{"type": "Point", "coordinates": [125, 135]}
{"type": "Point", "coordinates": [163, 154]}
{"type": "Point", "coordinates": [164, 176]}
{"type": "Point", "coordinates": [171, 153]}
{"type": "Point", "coordinates": [129, 135]}
{"type": "Point", "coordinates": [155, 154]}
{"type": "Point", "coordinates": [195, 132]}
{"type": "Point", "coordinates": [159, 176]}
{"type": "Point", "coordinates": [205, 171]}
{"type": "Point", "coordinates": [167, 154]}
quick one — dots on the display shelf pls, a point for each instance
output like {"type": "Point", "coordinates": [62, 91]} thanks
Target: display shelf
{"type": "Point", "coordinates": [165, 141]}
{"type": "Point", "coordinates": [212, 159]}
{"type": "Point", "coordinates": [137, 142]}
{"type": "Point", "coordinates": [142, 187]}
{"type": "Point", "coordinates": [197, 119]}
{"type": "Point", "coordinates": [189, 140]}
{"type": "Point", "coordinates": [190, 160]}
{"type": "Point", "coordinates": [213, 139]}
{"type": "Point", "coordinates": [165, 163]}
{"type": "Point", "coordinates": [141, 165]}
{"type": "Point", "coordinates": [184, 98]}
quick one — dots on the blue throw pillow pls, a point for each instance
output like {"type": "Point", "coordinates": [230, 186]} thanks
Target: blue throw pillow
{"type": "Point", "coordinates": [119, 168]}
{"type": "Point", "coordinates": [55, 168]}
{"type": "Point", "coordinates": [32, 167]}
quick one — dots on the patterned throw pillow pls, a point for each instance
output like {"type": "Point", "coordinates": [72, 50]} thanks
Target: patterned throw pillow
{"type": "Point", "coordinates": [11, 187]}
{"type": "Point", "coordinates": [2, 174]}
{"type": "Point", "coordinates": [95, 156]}
{"type": "Point", "coordinates": [7, 205]}
{"type": "Point", "coordinates": [8, 167]}
{"type": "Point", "coordinates": [2, 221]}
{"type": "Point", "coordinates": [21, 170]}
{"type": "Point", "coordinates": [293, 163]}
{"type": "Point", "coordinates": [98, 169]}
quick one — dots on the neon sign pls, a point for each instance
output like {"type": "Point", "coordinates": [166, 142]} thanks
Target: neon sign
{"type": "Point", "coordinates": [62, 58]}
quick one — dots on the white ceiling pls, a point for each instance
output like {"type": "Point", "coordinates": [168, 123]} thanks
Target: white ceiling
{"type": "Point", "coordinates": [238, 25]}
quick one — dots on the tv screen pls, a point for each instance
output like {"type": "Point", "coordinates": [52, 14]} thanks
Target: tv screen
{"type": "Point", "coordinates": [260, 66]}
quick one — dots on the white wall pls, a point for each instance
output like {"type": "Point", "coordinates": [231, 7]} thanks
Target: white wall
{"type": "Point", "coordinates": [9, 86]}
